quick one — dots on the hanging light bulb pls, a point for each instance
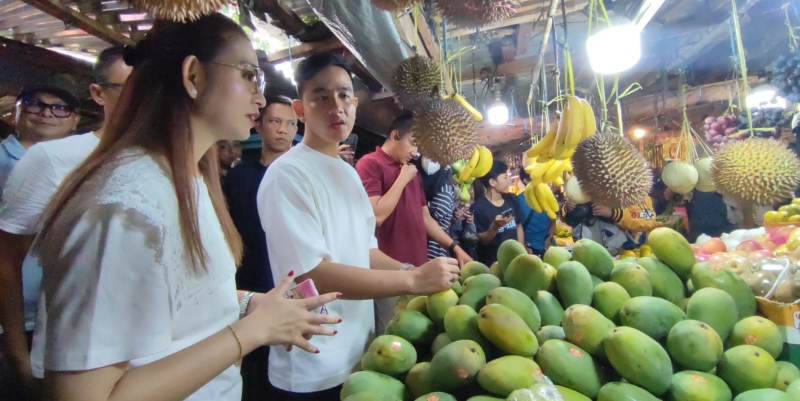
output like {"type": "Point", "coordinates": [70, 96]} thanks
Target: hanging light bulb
{"type": "Point", "coordinates": [498, 111]}
{"type": "Point", "coordinates": [765, 97]}
{"type": "Point", "coordinates": [614, 49]}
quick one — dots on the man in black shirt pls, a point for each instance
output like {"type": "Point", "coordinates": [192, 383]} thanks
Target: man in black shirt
{"type": "Point", "coordinates": [277, 126]}
{"type": "Point", "coordinates": [497, 214]}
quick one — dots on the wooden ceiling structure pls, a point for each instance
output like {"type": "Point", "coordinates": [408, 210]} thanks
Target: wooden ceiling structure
{"type": "Point", "coordinates": [692, 36]}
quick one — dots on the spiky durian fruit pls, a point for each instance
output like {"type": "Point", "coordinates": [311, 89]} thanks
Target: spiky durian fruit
{"type": "Point", "coordinates": [476, 13]}
{"type": "Point", "coordinates": [179, 10]}
{"type": "Point", "coordinates": [444, 131]}
{"type": "Point", "coordinates": [392, 5]}
{"type": "Point", "coordinates": [415, 80]}
{"type": "Point", "coordinates": [611, 171]}
{"type": "Point", "coordinates": [760, 171]}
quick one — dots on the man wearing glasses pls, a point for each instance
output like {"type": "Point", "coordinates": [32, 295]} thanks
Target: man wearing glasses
{"type": "Point", "coordinates": [28, 191]}
{"type": "Point", "coordinates": [42, 113]}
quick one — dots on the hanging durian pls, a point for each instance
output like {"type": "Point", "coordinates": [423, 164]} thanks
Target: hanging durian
{"type": "Point", "coordinates": [760, 171]}
{"type": "Point", "coordinates": [444, 131]}
{"type": "Point", "coordinates": [415, 80]}
{"type": "Point", "coordinates": [179, 10]}
{"type": "Point", "coordinates": [392, 5]}
{"type": "Point", "coordinates": [476, 13]}
{"type": "Point", "coordinates": [611, 171]}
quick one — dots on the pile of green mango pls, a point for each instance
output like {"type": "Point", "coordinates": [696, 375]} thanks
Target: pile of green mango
{"type": "Point", "coordinates": [647, 329]}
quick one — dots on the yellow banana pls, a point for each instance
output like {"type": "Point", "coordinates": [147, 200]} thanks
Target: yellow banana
{"type": "Point", "coordinates": [529, 168]}
{"type": "Point", "coordinates": [466, 173]}
{"type": "Point", "coordinates": [553, 172]}
{"type": "Point", "coordinates": [568, 164]}
{"type": "Point", "coordinates": [552, 203]}
{"type": "Point", "coordinates": [558, 181]}
{"type": "Point", "coordinates": [566, 155]}
{"type": "Point", "coordinates": [541, 198]}
{"type": "Point", "coordinates": [564, 130]}
{"type": "Point", "coordinates": [485, 161]}
{"type": "Point", "coordinates": [545, 144]}
{"type": "Point", "coordinates": [530, 199]}
{"type": "Point", "coordinates": [590, 124]}
{"type": "Point", "coordinates": [474, 112]}
{"type": "Point", "coordinates": [577, 125]}
{"type": "Point", "coordinates": [541, 168]}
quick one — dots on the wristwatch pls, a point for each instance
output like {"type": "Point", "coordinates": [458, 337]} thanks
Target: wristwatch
{"type": "Point", "coordinates": [452, 248]}
{"type": "Point", "coordinates": [406, 266]}
{"type": "Point", "coordinates": [244, 302]}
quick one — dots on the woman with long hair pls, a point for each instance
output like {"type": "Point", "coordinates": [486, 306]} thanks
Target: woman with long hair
{"type": "Point", "coordinates": [137, 247]}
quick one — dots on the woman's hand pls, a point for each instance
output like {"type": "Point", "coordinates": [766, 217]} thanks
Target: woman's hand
{"type": "Point", "coordinates": [288, 322]}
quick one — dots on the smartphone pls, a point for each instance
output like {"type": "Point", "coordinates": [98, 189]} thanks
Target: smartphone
{"type": "Point", "coordinates": [306, 289]}
{"type": "Point", "coordinates": [508, 214]}
{"type": "Point", "coordinates": [351, 141]}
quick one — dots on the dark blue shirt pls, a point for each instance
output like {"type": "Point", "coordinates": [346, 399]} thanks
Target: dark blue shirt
{"type": "Point", "coordinates": [240, 187]}
{"type": "Point", "coordinates": [535, 225]}
{"type": "Point", "coordinates": [484, 213]}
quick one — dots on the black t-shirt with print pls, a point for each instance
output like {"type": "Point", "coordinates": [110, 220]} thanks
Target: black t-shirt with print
{"type": "Point", "coordinates": [484, 213]}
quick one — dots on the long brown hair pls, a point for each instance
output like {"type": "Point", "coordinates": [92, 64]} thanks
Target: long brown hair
{"type": "Point", "coordinates": [154, 113]}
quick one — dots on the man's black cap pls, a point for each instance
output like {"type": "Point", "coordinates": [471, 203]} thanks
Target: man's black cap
{"type": "Point", "coordinates": [29, 91]}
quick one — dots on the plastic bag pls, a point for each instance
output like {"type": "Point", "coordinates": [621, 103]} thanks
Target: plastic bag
{"type": "Point", "coordinates": [468, 236]}
{"type": "Point", "coordinates": [543, 390]}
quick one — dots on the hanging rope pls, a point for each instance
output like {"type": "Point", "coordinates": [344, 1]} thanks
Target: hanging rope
{"type": "Point", "coordinates": [742, 64]}
{"type": "Point", "coordinates": [793, 38]}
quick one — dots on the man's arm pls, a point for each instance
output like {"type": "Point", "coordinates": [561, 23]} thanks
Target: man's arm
{"type": "Point", "coordinates": [383, 205]}
{"type": "Point", "coordinates": [520, 235]}
{"type": "Point", "coordinates": [12, 315]}
{"type": "Point", "coordinates": [436, 233]}
{"type": "Point", "coordinates": [381, 261]}
{"type": "Point", "coordinates": [487, 236]}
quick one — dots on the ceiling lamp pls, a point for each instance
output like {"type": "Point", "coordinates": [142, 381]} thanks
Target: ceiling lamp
{"type": "Point", "coordinates": [498, 112]}
{"type": "Point", "coordinates": [614, 49]}
{"type": "Point", "coordinates": [765, 97]}
{"type": "Point", "coordinates": [639, 133]}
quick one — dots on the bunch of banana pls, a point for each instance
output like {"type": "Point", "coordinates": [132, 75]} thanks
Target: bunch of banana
{"type": "Point", "coordinates": [541, 199]}
{"type": "Point", "coordinates": [478, 165]}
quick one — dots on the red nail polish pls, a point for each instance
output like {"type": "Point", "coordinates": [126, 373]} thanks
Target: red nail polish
{"type": "Point", "coordinates": [291, 273]}
{"type": "Point", "coordinates": [339, 295]}
{"type": "Point", "coordinates": [340, 320]}
{"type": "Point", "coordinates": [316, 352]}
{"type": "Point", "coordinates": [335, 332]}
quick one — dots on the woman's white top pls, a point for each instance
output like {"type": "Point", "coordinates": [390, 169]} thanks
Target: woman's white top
{"type": "Point", "coordinates": [119, 285]}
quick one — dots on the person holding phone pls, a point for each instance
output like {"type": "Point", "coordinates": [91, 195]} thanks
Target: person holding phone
{"type": "Point", "coordinates": [497, 214]}
{"type": "Point", "coordinates": [347, 150]}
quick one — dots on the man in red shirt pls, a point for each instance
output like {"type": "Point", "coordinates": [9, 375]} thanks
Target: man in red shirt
{"type": "Point", "coordinates": [401, 211]}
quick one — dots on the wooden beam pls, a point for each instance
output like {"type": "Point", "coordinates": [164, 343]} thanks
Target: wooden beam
{"type": "Point", "coordinates": [306, 49]}
{"type": "Point", "coordinates": [285, 18]}
{"type": "Point", "coordinates": [571, 6]}
{"type": "Point", "coordinates": [514, 67]}
{"type": "Point", "coordinates": [81, 21]}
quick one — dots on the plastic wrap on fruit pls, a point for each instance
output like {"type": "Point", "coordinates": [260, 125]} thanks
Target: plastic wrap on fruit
{"type": "Point", "coordinates": [794, 240]}
{"type": "Point", "coordinates": [543, 390]}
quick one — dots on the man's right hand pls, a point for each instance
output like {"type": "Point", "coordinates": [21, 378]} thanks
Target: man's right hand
{"type": "Point", "coordinates": [500, 222]}
{"type": "Point", "coordinates": [569, 206]}
{"type": "Point", "coordinates": [408, 172]}
{"type": "Point", "coordinates": [435, 276]}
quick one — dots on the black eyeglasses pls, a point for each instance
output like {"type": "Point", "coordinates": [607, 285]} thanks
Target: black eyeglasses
{"type": "Point", "coordinates": [110, 85]}
{"type": "Point", "coordinates": [34, 106]}
{"type": "Point", "coordinates": [250, 73]}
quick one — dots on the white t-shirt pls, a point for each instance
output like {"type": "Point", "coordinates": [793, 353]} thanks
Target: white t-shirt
{"type": "Point", "coordinates": [32, 183]}
{"type": "Point", "coordinates": [314, 208]}
{"type": "Point", "coordinates": [118, 283]}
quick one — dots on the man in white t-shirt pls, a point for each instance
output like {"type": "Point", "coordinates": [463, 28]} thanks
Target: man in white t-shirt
{"type": "Point", "coordinates": [32, 183]}
{"type": "Point", "coordinates": [319, 223]}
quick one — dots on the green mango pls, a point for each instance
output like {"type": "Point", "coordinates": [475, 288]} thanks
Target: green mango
{"type": "Point", "coordinates": [368, 396]}
{"type": "Point", "coordinates": [596, 281]}
{"type": "Point", "coordinates": [694, 345]}
{"type": "Point", "coordinates": [413, 326]}
{"type": "Point", "coordinates": [586, 327]}
{"type": "Point", "coordinates": [457, 288]}
{"type": "Point", "coordinates": [473, 269]}
{"type": "Point", "coordinates": [549, 308]}
{"type": "Point", "coordinates": [608, 299]}
{"type": "Point", "coordinates": [705, 275]}
{"type": "Point", "coordinates": [508, 373]}
{"type": "Point", "coordinates": [670, 247]}
{"type": "Point", "coordinates": [494, 269]}
{"type": "Point", "coordinates": [506, 330]}
{"type": "Point", "coordinates": [758, 331]}
{"type": "Point", "coordinates": [549, 333]}
{"type": "Point", "coordinates": [624, 392]}
{"type": "Point", "coordinates": [594, 257]}
{"type": "Point", "coordinates": [556, 255]}
{"type": "Point", "coordinates": [570, 366]}
{"type": "Point", "coordinates": [747, 367]}
{"type": "Point", "coordinates": [787, 373]}
{"type": "Point", "coordinates": [666, 284]}
{"type": "Point", "coordinates": [390, 355]}
{"type": "Point", "coordinates": [549, 278]}
{"type": "Point", "coordinates": [763, 394]}
{"type": "Point", "coordinates": [569, 394]}
{"type": "Point", "coordinates": [439, 342]}
{"type": "Point", "coordinates": [507, 252]}
{"type": "Point", "coordinates": [650, 315]}
{"type": "Point", "coordinates": [794, 390]}
{"type": "Point", "coordinates": [574, 284]}
{"type": "Point", "coordinates": [476, 288]}
{"type": "Point", "coordinates": [525, 273]}
{"type": "Point", "coordinates": [461, 323]}
{"type": "Point", "coordinates": [639, 359]}
{"type": "Point", "coordinates": [380, 385]}
{"type": "Point", "coordinates": [691, 385]}
{"type": "Point", "coordinates": [418, 304]}
{"type": "Point", "coordinates": [436, 396]}
{"type": "Point", "coordinates": [457, 364]}
{"type": "Point", "coordinates": [420, 380]}
{"type": "Point", "coordinates": [438, 304]}
{"type": "Point", "coordinates": [715, 308]}
{"type": "Point", "coordinates": [633, 278]}
{"type": "Point", "coordinates": [518, 302]}
{"type": "Point", "coordinates": [485, 398]}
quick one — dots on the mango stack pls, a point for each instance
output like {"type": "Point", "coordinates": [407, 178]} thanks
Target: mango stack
{"type": "Point", "coordinates": [659, 327]}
